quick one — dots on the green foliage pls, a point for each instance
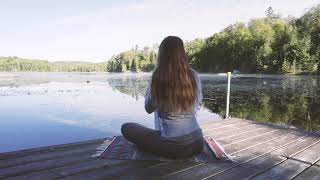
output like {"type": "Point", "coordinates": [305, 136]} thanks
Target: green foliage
{"type": "Point", "coordinates": [309, 28]}
{"type": "Point", "coordinates": [268, 45]}
{"type": "Point", "coordinates": [134, 60]}
{"type": "Point", "coordinates": [193, 48]}
{"type": "Point", "coordinates": [18, 64]}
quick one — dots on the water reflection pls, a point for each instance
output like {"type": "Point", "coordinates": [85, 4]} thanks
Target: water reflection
{"type": "Point", "coordinates": [40, 109]}
{"type": "Point", "coordinates": [53, 108]}
{"type": "Point", "coordinates": [286, 100]}
{"type": "Point", "coordinates": [136, 86]}
{"type": "Point", "coordinates": [290, 100]}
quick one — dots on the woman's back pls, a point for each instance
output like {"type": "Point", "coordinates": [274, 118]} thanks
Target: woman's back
{"type": "Point", "coordinates": [175, 124]}
{"type": "Point", "coordinates": [174, 96]}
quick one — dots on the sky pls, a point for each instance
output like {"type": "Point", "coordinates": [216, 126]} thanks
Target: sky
{"type": "Point", "coordinates": [94, 30]}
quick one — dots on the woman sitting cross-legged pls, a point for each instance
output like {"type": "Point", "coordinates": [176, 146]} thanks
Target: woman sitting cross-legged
{"type": "Point", "coordinates": [174, 96]}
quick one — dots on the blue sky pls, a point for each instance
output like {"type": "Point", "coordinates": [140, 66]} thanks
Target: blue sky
{"type": "Point", "coordinates": [94, 30]}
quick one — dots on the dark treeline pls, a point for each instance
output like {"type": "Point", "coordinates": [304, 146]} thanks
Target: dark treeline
{"type": "Point", "coordinates": [134, 60]}
{"type": "Point", "coordinates": [10, 64]}
{"type": "Point", "coordinates": [267, 45]}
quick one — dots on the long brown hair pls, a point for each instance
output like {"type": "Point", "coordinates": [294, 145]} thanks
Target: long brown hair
{"type": "Point", "coordinates": [173, 87]}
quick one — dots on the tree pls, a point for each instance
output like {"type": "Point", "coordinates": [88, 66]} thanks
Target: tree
{"type": "Point", "coordinates": [271, 16]}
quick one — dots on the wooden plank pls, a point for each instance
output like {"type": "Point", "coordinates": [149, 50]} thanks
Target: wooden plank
{"type": "Point", "coordinates": [277, 144]}
{"type": "Point", "coordinates": [261, 162]}
{"type": "Point", "coordinates": [274, 158]}
{"type": "Point", "coordinates": [220, 122]}
{"type": "Point", "coordinates": [284, 127]}
{"type": "Point", "coordinates": [61, 147]}
{"type": "Point", "coordinates": [197, 172]}
{"type": "Point", "coordinates": [310, 155]}
{"type": "Point", "coordinates": [312, 173]}
{"type": "Point", "coordinates": [48, 175]}
{"type": "Point", "coordinates": [295, 148]}
{"type": "Point", "coordinates": [231, 130]}
{"type": "Point", "coordinates": [108, 172]}
{"type": "Point", "coordinates": [286, 170]}
{"type": "Point", "coordinates": [157, 171]}
{"type": "Point", "coordinates": [241, 136]}
{"type": "Point", "coordinates": [207, 170]}
{"type": "Point", "coordinates": [75, 157]}
{"type": "Point", "coordinates": [70, 169]}
{"type": "Point", "coordinates": [245, 144]}
{"type": "Point", "coordinates": [222, 127]}
{"type": "Point", "coordinates": [246, 170]}
{"type": "Point", "coordinates": [46, 156]}
{"type": "Point", "coordinates": [88, 165]}
{"type": "Point", "coordinates": [162, 170]}
{"type": "Point", "coordinates": [244, 130]}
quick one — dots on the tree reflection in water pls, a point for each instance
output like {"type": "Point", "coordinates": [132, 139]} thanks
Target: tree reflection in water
{"type": "Point", "coordinates": [286, 100]}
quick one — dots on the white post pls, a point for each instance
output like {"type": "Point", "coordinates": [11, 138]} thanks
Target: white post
{"type": "Point", "coordinates": [228, 95]}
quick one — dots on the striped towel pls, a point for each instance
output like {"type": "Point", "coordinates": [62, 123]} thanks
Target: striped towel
{"type": "Point", "coordinates": [119, 148]}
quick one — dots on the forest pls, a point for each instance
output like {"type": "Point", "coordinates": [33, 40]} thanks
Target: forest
{"type": "Point", "coordinates": [14, 64]}
{"type": "Point", "coordinates": [268, 45]}
{"type": "Point", "coordinates": [134, 60]}
{"type": "Point", "coordinates": [274, 45]}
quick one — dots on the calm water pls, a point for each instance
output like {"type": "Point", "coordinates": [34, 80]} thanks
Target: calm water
{"type": "Point", "coordinates": [286, 100]}
{"type": "Point", "coordinates": [40, 109]}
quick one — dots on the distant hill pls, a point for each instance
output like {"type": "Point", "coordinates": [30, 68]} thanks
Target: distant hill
{"type": "Point", "coordinates": [72, 62]}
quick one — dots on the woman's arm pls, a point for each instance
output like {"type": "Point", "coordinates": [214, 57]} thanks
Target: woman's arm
{"type": "Point", "coordinates": [148, 104]}
{"type": "Point", "coordinates": [199, 96]}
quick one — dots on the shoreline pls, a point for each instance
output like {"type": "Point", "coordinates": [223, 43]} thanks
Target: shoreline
{"type": "Point", "coordinates": [8, 74]}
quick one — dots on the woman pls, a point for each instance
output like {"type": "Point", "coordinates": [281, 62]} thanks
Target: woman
{"type": "Point", "coordinates": [174, 96]}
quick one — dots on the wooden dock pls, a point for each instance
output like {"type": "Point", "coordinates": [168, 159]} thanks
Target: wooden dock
{"type": "Point", "coordinates": [261, 151]}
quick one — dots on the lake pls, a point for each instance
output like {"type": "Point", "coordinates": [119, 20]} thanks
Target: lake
{"type": "Point", "coordinates": [41, 109]}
